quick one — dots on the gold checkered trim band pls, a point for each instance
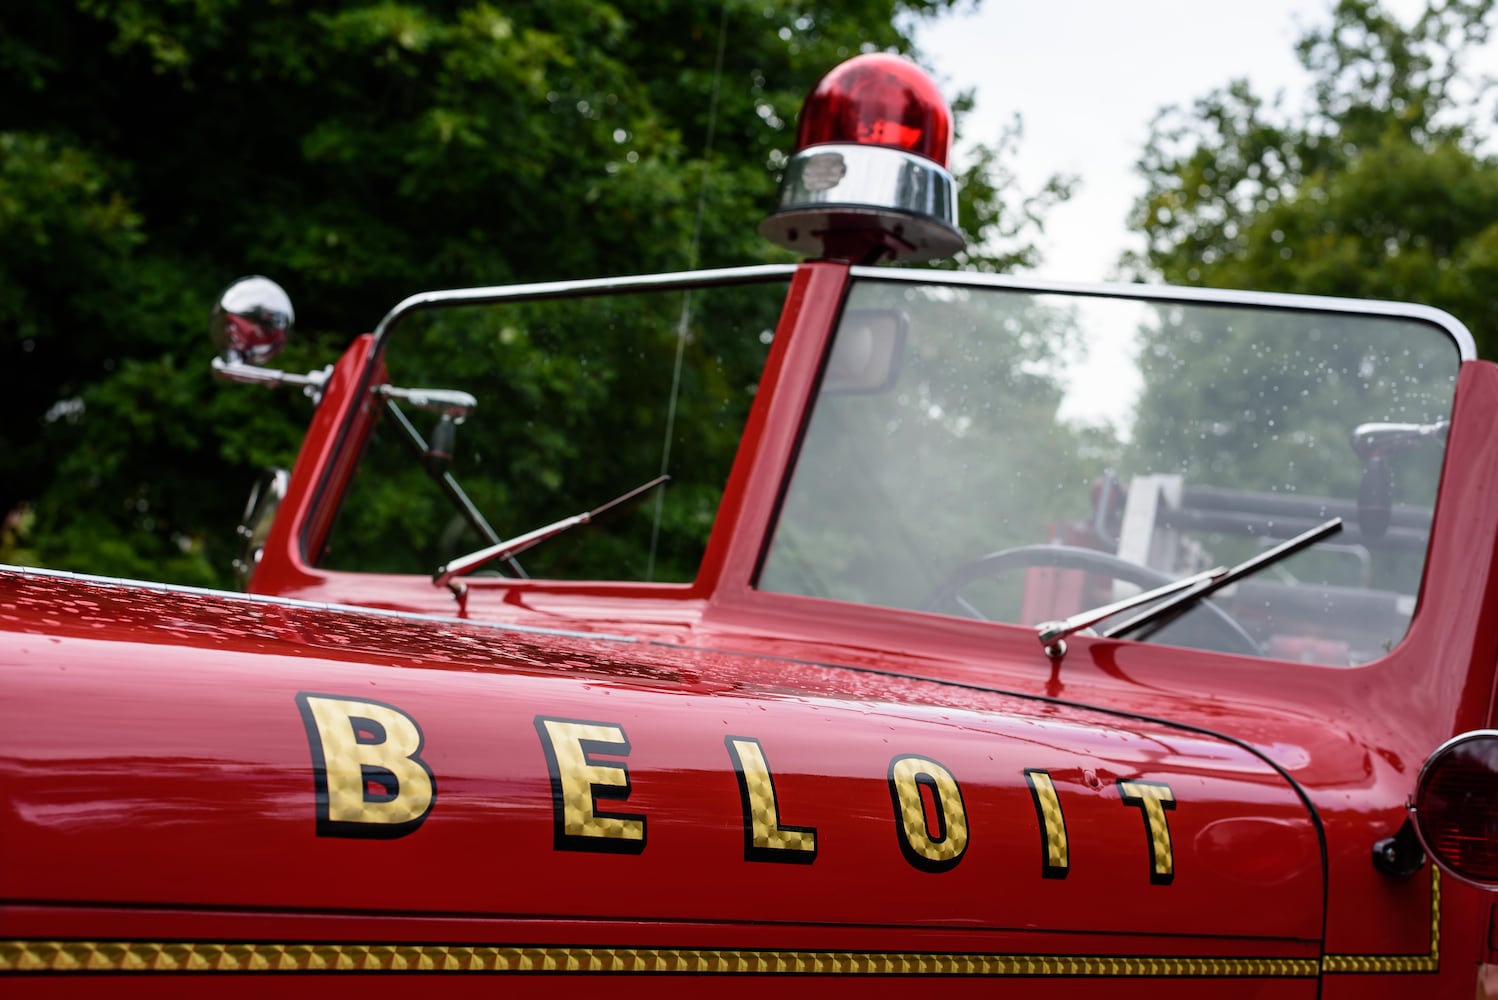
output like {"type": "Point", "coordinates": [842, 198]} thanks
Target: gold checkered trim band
{"type": "Point", "coordinates": [151, 956]}
{"type": "Point", "coordinates": [145, 956]}
{"type": "Point", "coordinates": [1399, 963]}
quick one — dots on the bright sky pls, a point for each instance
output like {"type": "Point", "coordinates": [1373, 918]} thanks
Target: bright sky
{"type": "Point", "coordinates": [1088, 76]}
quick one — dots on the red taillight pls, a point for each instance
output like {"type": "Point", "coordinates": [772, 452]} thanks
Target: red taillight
{"type": "Point", "coordinates": [878, 100]}
{"type": "Point", "coordinates": [1456, 807]}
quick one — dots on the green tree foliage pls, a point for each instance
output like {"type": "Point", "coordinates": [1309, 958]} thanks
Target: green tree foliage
{"type": "Point", "coordinates": [1382, 189]}
{"type": "Point", "coordinates": [358, 152]}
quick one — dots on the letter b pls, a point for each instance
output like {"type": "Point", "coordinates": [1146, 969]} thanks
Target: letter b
{"type": "Point", "coordinates": [370, 779]}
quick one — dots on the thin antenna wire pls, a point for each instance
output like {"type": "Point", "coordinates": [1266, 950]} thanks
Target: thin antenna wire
{"type": "Point", "coordinates": [684, 323]}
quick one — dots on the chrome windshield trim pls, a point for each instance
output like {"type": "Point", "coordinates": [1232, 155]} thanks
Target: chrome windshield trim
{"type": "Point", "coordinates": [1455, 741]}
{"type": "Point", "coordinates": [1454, 328]}
{"type": "Point", "coordinates": [590, 286]}
{"type": "Point", "coordinates": [262, 600]}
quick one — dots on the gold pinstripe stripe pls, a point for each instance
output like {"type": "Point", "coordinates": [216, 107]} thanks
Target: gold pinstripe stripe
{"type": "Point", "coordinates": [155, 956]}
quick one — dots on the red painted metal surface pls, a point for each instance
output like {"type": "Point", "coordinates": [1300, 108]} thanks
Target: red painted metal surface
{"type": "Point", "coordinates": [177, 716]}
{"type": "Point", "coordinates": [330, 451]}
{"type": "Point", "coordinates": [160, 771]}
{"type": "Point", "coordinates": [202, 745]}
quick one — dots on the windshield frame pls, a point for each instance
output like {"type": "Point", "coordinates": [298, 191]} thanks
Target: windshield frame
{"type": "Point", "coordinates": [1465, 343]}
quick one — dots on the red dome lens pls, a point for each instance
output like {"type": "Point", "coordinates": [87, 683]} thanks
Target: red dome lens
{"type": "Point", "coordinates": [878, 100]}
{"type": "Point", "coordinates": [868, 179]}
{"type": "Point", "coordinates": [1456, 807]}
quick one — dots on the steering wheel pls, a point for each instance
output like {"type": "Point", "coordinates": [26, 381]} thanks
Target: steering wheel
{"type": "Point", "coordinates": [1214, 630]}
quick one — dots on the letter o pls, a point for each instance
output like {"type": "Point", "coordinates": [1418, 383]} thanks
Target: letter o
{"type": "Point", "coordinates": [932, 850]}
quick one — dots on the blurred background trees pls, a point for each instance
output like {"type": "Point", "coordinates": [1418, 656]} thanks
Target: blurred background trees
{"type": "Point", "coordinates": [150, 152]}
{"type": "Point", "coordinates": [358, 152]}
{"type": "Point", "coordinates": [1386, 187]}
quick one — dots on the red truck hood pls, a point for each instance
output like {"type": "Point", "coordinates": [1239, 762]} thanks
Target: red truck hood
{"type": "Point", "coordinates": [172, 752]}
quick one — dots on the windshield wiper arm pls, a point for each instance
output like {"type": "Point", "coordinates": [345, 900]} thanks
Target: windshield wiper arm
{"type": "Point", "coordinates": [1167, 611]}
{"type": "Point", "coordinates": [1053, 635]}
{"type": "Point", "coordinates": [447, 575]}
{"type": "Point", "coordinates": [1180, 595]}
{"type": "Point", "coordinates": [445, 480]}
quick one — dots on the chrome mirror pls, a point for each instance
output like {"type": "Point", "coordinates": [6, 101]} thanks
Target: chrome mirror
{"type": "Point", "coordinates": [249, 326]}
{"type": "Point", "coordinates": [251, 320]}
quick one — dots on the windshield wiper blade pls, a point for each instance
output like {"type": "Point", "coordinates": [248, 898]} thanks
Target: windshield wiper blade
{"type": "Point", "coordinates": [1167, 611]}
{"type": "Point", "coordinates": [446, 575]}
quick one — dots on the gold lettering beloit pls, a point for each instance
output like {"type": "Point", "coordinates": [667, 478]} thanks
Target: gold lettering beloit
{"type": "Point", "coordinates": [939, 844]}
{"type": "Point", "coordinates": [1152, 799]}
{"type": "Point", "coordinates": [1055, 861]}
{"type": "Point", "coordinates": [360, 744]}
{"type": "Point", "coordinates": [579, 781]}
{"type": "Point", "coordinates": [766, 837]}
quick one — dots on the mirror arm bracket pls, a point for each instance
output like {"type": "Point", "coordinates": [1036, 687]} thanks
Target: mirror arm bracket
{"type": "Point", "coordinates": [233, 370]}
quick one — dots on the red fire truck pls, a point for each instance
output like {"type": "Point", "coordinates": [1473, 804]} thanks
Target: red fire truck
{"type": "Point", "coordinates": [1037, 638]}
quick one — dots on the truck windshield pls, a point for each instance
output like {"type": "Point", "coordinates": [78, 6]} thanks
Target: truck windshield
{"type": "Point", "coordinates": [573, 399]}
{"type": "Point", "coordinates": [1020, 456]}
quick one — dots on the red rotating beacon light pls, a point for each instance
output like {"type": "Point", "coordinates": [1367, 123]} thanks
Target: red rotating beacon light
{"type": "Point", "coordinates": [869, 179]}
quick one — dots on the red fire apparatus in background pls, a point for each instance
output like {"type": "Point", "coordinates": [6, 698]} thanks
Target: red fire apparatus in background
{"type": "Point", "coordinates": [1039, 638]}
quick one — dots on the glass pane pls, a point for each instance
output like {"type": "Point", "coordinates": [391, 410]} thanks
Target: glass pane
{"type": "Point", "coordinates": [1148, 439]}
{"type": "Point", "coordinates": [574, 398]}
